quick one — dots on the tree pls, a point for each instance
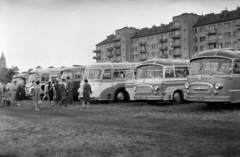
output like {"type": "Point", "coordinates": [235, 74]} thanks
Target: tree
{"type": "Point", "coordinates": [38, 67]}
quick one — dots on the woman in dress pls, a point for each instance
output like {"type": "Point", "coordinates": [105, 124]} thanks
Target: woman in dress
{"type": "Point", "coordinates": [14, 90]}
{"type": "Point", "coordinates": [51, 92]}
{"type": "Point", "coordinates": [86, 92]}
{"type": "Point", "coordinates": [20, 93]}
{"type": "Point", "coordinates": [8, 93]}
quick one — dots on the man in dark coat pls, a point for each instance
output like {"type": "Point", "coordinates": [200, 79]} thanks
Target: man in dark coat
{"type": "Point", "coordinates": [57, 92]}
{"type": "Point", "coordinates": [69, 90]}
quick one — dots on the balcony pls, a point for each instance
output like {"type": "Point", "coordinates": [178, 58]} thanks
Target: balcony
{"type": "Point", "coordinates": [164, 56]}
{"type": "Point", "coordinates": [178, 54]}
{"type": "Point", "coordinates": [117, 46]}
{"type": "Point", "coordinates": [163, 48]}
{"type": "Point", "coordinates": [97, 51]}
{"type": "Point", "coordinates": [110, 55]}
{"type": "Point", "coordinates": [110, 48]}
{"type": "Point", "coordinates": [212, 41]}
{"type": "Point", "coordinates": [143, 58]}
{"type": "Point", "coordinates": [143, 51]}
{"type": "Point", "coordinates": [163, 40]}
{"type": "Point", "coordinates": [212, 32]}
{"type": "Point", "coordinates": [96, 57]}
{"type": "Point", "coordinates": [117, 53]}
{"type": "Point", "coordinates": [176, 36]}
{"type": "Point", "coordinates": [175, 27]}
{"type": "Point", "coordinates": [142, 43]}
{"type": "Point", "coordinates": [176, 45]}
{"type": "Point", "coordinates": [118, 38]}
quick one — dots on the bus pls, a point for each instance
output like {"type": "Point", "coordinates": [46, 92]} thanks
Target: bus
{"type": "Point", "coordinates": [160, 79]}
{"type": "Point", "coordinates": [43, 75]}
{"type": "Point", "coordinates": [214, 77]}
{"type": "Point", "coordinates": [20, 78]}
{"type": "Point", "coordinates": [76, 74]}
{"type": "Point", "coordinates": [107, 81]}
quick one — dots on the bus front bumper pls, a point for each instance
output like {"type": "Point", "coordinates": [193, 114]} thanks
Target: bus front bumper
{"type": "Point", "coordinates": [212, 98]}
{"type": "Point", "coordinates": [149, 97]}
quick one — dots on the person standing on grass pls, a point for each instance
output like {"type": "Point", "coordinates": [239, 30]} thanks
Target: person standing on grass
{"type": "Point", "coordinates": [1, 94]}
{"type": "Point", "coordinates": [51, 93]}
{"type": "Point", "coordinates": [46, 94]}
{"type": "Point", "coordinates": [14, 90]}
{"type": "Point", "coordinates": [86, 92]}
{"type": "Point", "coordinates": [69, 90]}
{"type": "Point", "coordinates": [8, 93]}
{"type": "Point", "coordinates": [57, 92]}
{"type": "Point", "coordinates": [63, 92]}
{"type": "Point", "coordinates": [20, 93]}
{"type": "Point", "coordinates": [37, 94]}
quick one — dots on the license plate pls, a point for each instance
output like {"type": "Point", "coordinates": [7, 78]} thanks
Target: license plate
{"type": "Point", "coordinates": [142, 97]}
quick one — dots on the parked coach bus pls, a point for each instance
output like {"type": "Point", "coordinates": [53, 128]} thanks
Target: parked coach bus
{"type": "Point", "coordinates": [76, 74]}
{"type": "Point", "coordinates": [108, 80]}
{"type": "Point", "coordinates": [160, 79]}
{"type": "Point", "coordinates": [214, 77]}
{"type": "Point", "coordinates": [43, 75]}
{"type": "Point", "coordinates": [20, 78]}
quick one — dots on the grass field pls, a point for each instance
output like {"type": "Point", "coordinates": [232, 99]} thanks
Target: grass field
{"type": "Point", "coordinates": [129, 130]}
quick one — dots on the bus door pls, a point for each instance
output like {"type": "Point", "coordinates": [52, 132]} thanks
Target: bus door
{"type": "Point", "coordinates": [106, 85]}
{"type": "Point", "coordinates": [129, 83]}
{"type": "Point", "coordinates": [168, 82]}
{"type": "Point", "coordinates": [235, 85]}
{"type": "Point", "coordinates": [77, 77]}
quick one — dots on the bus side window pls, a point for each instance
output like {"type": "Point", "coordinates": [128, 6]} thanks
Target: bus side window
{"type": "Point", "coordinates": [107, 74]}
{"type": "Point", "coordinates": [236, 67]}
{"type": "Point", "coordinates": [45, 78]}
{"type": "Point", "coordinates": [178, 72]}
{"type": "Point", "coordinates": [77, 75]}
{"type": "Point", "coordinates": [169, 73]}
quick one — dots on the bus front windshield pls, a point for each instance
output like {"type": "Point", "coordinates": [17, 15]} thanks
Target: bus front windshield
{"type": "Point", "coordinates": [218, 66]}
{"type": "Point", "coordinates": [149, 71]}
{"type": "Point", "coordinates": [93, 74]}
{"type": "Point", "coordinates": [33, 77]}
{"type": "Point", "coordinates": [65, 74]}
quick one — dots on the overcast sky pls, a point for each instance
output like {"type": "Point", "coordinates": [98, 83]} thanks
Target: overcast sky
{"type": "Point", "coordinates": [65, 32]}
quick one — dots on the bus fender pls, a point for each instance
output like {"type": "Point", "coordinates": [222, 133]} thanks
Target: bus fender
{"type": "Point", "coordinates": [168, 93]}
{"type": "Point", "coordinates": [121, 88]}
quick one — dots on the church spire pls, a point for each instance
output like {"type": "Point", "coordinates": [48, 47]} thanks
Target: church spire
{"type": "Point", "coordinates": [2, 57]}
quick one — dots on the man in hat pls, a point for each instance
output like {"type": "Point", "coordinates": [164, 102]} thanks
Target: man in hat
{"type": "Point", "coordinates": [63, 92]}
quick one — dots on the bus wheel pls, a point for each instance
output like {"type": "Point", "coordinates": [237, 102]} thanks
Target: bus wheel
{"type": "Point", "coordinates": [120, 96]}
{"type": "Point", "coordinates": [176, 98]}
{"type": "Point", "coordinates": [211, 104]}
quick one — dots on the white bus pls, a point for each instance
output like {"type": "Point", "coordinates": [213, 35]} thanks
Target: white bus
{"type": "Point", "coordinates": [158, 79]}
{"type": "Point", "coordinates": [107, 80]}
{"type": "Point", "coordinates": [43, 75]}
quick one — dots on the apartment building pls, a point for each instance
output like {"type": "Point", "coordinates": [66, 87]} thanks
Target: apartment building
{"type": "Point", "coordinates": [115, 48]}
{"type": "Point", "coordinates": [218, 31]}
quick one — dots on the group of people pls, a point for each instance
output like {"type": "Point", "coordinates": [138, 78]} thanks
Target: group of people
{"type": "Point", "coordinates": [11, 92]}
{"type": "Point", "coordinates": [58, 93]}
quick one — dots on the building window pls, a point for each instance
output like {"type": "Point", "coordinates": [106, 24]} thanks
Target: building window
{"type": "Point", "coordinates": [135, 48]}
{"type": "Point", "coordinates": [227, 35]}
{"type": "Point", "coordinates": [220, 36]}
{"type": "Point", "coordinates": [152, 38]}
{"type": "Point", "coordinates": [212, 46]}
{"type": "Point", "coordinates": [153, 54]}
{"type": "Point", "coordinates": [227, 45]}
{"type": "Point", "coordinates": [153, 46]}
{"type": "Point", "coordinates": [132, 42]}
{"type": "Point", "coordinates": [170, 43]}
{"type": "Point", "coordinates": [234, 23]}
{"type": "Point", "coordinates": [170, 52]}
{"type": "Point", "coordinates": [211, 28]}
{"type": "Point", "coordinates": [158, 53]}
{"type": "Point", "coordinates": [177, 23]}
{"type": "Point", "coordinates": [202, 48]}
{"type": "Point", "coordinates": [132, 49]}
{"type": "Point", "coordinates": [235, 34]}
{"type": "Point", "coordinates": [148, 54]}
{"type": "Point", "coordinates": [220, 45]}
{"type": "Point", "coordinates": [202, 39]}
{"type": "Point", "coordinates": [196, 40]}
{"type": "Point", "coordinates": [196, 48]}
{"type": "Point", "coordinates": [148, 47]}
{"type": "Point", "coordinates": [170, 35]}
{"type": "Point", "coordinates": [226, 25]}
{"type": "Point", "coordinates": [202, 29]}
{"type": "Point", "coordinates": [148, 38]}
{"type": "Point", "coordinates": [235, 44]}
{"type": "Point", "coordinates": [195, 30]}
{"type": "Point", "coordinates": [219, 26]}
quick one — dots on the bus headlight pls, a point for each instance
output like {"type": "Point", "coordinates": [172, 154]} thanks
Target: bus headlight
{"type": "Point", "coordinates": [134, 88]}
{"type": "Point", "coordinates": [186, 85]}
{"type": "Point", "coordinates": [218, 86]}
{"type": "Point", "coordinates": [156, 87]}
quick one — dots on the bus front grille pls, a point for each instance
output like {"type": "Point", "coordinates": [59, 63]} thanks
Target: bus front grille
{"type": "Point", "coordinates": [200, 89]}
{"type": "Point", "coordinates": [144, 90]}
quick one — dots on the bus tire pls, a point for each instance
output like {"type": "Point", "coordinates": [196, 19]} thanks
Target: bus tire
{"type": "Point", "coordinates": [211, 104]}
{"type": "Point", "coordinates": [176, 98]}
{"type": "Point", "coordinates": [120, 96]}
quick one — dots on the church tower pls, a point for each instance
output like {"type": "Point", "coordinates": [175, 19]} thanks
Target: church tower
{"type": "Point", "coordinates": [2, 62]}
